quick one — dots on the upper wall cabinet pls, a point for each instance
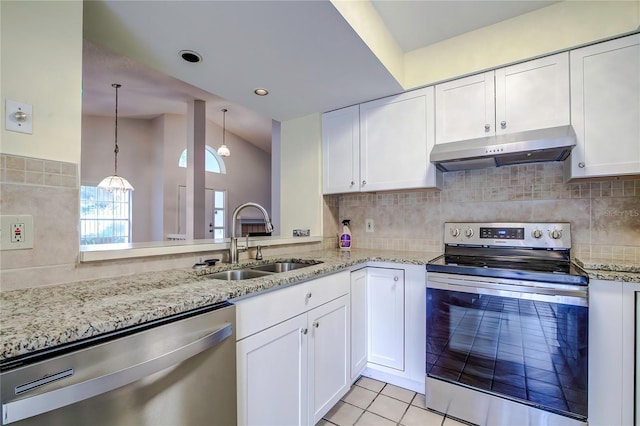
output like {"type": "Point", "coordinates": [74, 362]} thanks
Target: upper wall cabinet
{"type": "Point", "coordinates": [385, 147]}
{"type": "Point", "coordinates": [341, 150]}
{"type": "Point", "coordinates": [527, 96]}
{"type": "Point", "coordinates": [605, 109]}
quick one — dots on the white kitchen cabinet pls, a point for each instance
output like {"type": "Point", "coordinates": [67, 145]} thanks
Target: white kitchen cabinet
{"type": "Point", "coordinates": [526, 96]}
{"type": "Point", "coordinates": [272, 375]}
{"type": "Point", "coordinates": [611, 352]}
{"type": "Point", "coordinates": [341, 150]}
{"type": "Point", "coordinates": [605, 109]}
{"type": "Point", "coordinates": [329, 361]}
{"type": "Point", "coordinates": [380, 145]}
{"type": "Point", "coordinates": [395, 322]}
{"type": "Point", "coordinates": [385, 317]}
{"type": "Point", "coordinates": [396, 137]}
{"type": "Point", "coordinates": [358, 322]}
{"type": "Point", "coordinates": [293, 352]}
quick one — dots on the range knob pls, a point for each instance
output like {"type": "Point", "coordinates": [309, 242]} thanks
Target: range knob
{"type": "Point", "coordinates": [469, 232]}
{"type": "Point", "coordinates": [454, 232]}
{"type": "Point", "coordinates": [536, 233]}
{"type": "Point", "coordinates": [556, 234]}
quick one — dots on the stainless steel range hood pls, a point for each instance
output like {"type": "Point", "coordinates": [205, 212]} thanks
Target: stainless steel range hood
{"type": "Point", "coordinates": [552, 144]}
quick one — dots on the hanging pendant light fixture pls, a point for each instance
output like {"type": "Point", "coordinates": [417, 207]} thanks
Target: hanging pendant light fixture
{"type": "Point", "coordinates": [115, 182]}
{"type": "Point", "coordinates": [223, 151]}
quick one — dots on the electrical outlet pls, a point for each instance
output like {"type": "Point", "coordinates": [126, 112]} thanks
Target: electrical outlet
{"type": "Point", "coordinates": [16, 232]}
{"type": "Point", "coordinates": [369, 225]}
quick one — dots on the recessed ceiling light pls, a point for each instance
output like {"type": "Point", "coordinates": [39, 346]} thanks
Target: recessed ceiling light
{"type": "Point", "coordinates": [261, 92]}
{"type": "Point", "coordinates": [191, 56]}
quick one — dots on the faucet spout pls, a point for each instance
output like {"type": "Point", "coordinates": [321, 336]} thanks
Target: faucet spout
{"type": "Point", "coordinates": [234, 240]}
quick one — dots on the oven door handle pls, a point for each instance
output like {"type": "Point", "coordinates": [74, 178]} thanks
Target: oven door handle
{"type": "Point", "coordinates": [564, 297]}
{"type": "Point", "coordinates": [561, 299]}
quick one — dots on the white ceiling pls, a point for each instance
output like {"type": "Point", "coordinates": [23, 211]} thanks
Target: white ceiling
{"type": "Point", "coordinates": [303, 52]}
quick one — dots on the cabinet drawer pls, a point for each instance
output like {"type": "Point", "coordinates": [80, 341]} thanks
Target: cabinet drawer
{"type": "Point", "coordinates": [265, 310]}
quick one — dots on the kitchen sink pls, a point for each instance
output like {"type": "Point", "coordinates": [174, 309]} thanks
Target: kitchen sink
{"type": "Point", "coordinates": [282, 266]}
{"type": "Point", "coordinates": [238, 274]}
{"type": "Point", "coordinates": [260, 270]}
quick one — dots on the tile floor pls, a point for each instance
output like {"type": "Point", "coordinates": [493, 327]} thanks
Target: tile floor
{"type": "Point", "coordinates": [374, 403]}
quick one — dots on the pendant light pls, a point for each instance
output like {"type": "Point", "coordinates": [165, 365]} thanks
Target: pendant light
{"type": "Point", "coordinates": [223, 151]}
{"type": "Point", "coordinates": [115, 182]}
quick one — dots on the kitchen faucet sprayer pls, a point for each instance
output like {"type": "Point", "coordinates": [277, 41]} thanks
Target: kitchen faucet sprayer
{"type": "Point", "coordinates": [234, 240]}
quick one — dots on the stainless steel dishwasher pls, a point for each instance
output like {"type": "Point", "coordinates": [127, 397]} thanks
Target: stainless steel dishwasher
{"type": "Point", "coordinates": [179, 370]}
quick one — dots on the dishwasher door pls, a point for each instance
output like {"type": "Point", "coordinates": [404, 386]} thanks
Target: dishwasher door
{"type": "Point", "coordinates": [179, 371]}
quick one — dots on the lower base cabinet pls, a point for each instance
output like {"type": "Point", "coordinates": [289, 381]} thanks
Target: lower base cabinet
{"type": "Point", "coordinates": [612, 330]}
{"type": "Point", "coordinates": [294, 371]}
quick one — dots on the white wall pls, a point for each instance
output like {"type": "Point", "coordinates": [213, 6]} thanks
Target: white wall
{"type": "Point", "coordinates": [42, 66]}
{"type": "Point", "coordinates": [149, 153]}
{"type": "Point", "coordinates": [301, 175]}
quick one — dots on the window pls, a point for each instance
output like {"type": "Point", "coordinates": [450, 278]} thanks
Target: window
{"type": "Point", "coordinates": [218, 215]}
{"type": "Point", "coordinates": [105, 217]}
{"type": "Point", "coordinates": [212, 161]}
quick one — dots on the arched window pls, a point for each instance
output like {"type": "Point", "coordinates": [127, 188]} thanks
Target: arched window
{"type": "Point", "coordinates": [212, 161]}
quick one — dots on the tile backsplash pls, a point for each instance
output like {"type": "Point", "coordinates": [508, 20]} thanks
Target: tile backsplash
{"type": "Point", "coordinates": [604, 215]}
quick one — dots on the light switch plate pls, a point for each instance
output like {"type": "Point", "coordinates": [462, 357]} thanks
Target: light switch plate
{"type": "Point", "coordinates": [16, 232]}
{"type": "Point", "coordinates": [11, 123]}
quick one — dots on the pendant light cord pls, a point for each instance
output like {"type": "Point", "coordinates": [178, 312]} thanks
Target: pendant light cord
{"type": "Point", "coordinates": [224, 124]}
{"type": "Point", "coordinates": [116, 150]}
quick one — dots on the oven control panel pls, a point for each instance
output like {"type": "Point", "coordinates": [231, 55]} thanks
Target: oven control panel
{"type": "Point", "coordinates": [534, 235]}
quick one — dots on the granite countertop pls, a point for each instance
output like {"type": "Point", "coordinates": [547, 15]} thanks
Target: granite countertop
{"type": "Point", "coordinates": [610, 270]}
{"type": "Point", "coordinates": [44, 317]}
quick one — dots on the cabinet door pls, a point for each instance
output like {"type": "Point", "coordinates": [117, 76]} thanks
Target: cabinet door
{"type": "Point", "coordinates": [341, 151]}
{"type": "Point", "coordinates": [396, 136]}
{"type": "Point", "coordinates": [358, 322]}
{"type": "Point", "coordinates": [272, 375]}
{"type": "Point", "coordinates": [605, 109]}
{"type": "Point", "coordinates": [630, 338]}
{"type": "Point", "coordinates": [533, 95]}
{"type": "Point", "coordinates": [605, 353]}
{"type": "Point", "coordinates": [465, 108]}
{"type": "Point", "coordinates": [329, 360]}
{"type": "Point", "coordinates": [385, 290]}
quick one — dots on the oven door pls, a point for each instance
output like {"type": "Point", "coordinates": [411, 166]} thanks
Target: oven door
{"type": "Point", "coordinates": [501, 350]}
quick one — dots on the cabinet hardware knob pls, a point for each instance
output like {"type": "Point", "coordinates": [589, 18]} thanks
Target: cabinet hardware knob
{"type": "Point", "coordinates": [352, 183]}
{"type": "Point", "coordinates": [303, 330]}
{"type": "Point", "coordinates": [315, 324]}
{"type": "Point", "coordinates": [309, 295]}
{"type": "Point", "coordinates": [487, 127]}
{"type": "Point", "coordinates": [503, 124]}
{"type": "Point", "coordinates": [581, 165]}
{"type": "Point", "coordinates": [395, 278]}
{"type": "Point", "coordinates": [364, 182]}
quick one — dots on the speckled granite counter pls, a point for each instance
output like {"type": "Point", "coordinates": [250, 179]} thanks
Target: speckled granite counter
{"type": "Point", "coordinates": [40, 318]}
{"type": "Point", "coordinates": [610, 270]}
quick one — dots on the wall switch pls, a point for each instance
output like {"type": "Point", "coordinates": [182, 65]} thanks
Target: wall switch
{"type": "Point", "coordinates": [16, 232]}
{"type": "Point", "coordinates": [19, 117]}
{"type": "Point", "coordinates": [368, 225]}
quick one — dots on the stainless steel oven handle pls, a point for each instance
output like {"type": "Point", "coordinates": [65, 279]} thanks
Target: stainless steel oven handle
{"type": "Point", "coordinates": [566, 297]}
{"type": "Point", "coordinates": [27, 407]}
{"type": "Point", "coordinates": [539, 297]}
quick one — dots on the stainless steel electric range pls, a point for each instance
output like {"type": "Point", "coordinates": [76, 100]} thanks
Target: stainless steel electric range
{"type": "Point", "coordinates": [507, 326]}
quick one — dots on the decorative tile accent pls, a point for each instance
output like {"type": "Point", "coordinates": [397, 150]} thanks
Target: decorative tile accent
{"type": "Point", "coordinates": [38, 172]}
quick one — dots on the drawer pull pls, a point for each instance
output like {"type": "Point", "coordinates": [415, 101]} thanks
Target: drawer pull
{"type": "Point", "coordinates": [315, 324]}
{"type": "Point", "coordinates": [303, 330]}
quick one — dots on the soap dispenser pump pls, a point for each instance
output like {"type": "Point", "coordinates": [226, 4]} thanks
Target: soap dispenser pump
{"type": "Point", "coordinates": [345, 237]}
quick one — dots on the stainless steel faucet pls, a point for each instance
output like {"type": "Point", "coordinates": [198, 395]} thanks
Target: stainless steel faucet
{"type": "Point", "coordinates": [234, 240]}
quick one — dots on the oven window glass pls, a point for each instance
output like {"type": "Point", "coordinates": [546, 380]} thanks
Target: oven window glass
{"type": "Point", "coordinates": [531, 351]}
